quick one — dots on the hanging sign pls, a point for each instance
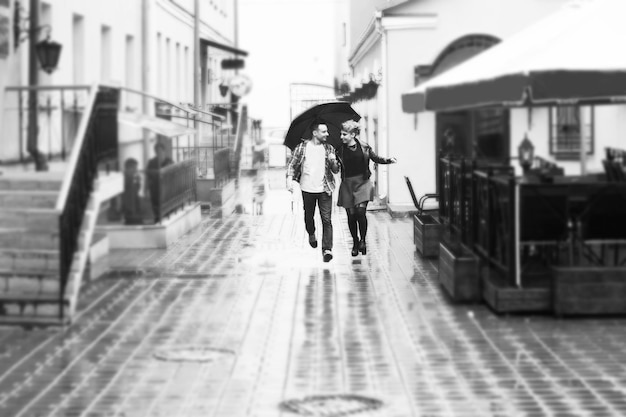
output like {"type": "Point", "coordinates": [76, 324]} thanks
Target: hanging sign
{"type": "Point", "coordinates": [240, 85]}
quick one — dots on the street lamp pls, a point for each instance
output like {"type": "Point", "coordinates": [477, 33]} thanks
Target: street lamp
{"type": "Point", "coordinates": [526, 154]}
{"type": "Point", "coordinates": [48, 53]}
{"type": "Point", "coordinates": [223, 89]}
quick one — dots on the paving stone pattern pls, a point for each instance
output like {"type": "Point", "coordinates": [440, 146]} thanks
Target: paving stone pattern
{"type": "Point", "coordinates": [276, 332]}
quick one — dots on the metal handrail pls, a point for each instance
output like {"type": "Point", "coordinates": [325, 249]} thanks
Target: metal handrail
{"type": "Point", "coordinates": [47, 87]}
{"type": "Point", "coordinates": [75, 153]}
{"type": "Point", "coordinates": [78, 181]}
{"type": "Point", "coordinates": [188, 110]}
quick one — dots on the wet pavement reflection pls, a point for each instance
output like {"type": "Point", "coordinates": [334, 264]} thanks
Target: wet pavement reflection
{"type": "Point", "coordinates": [241, 317]}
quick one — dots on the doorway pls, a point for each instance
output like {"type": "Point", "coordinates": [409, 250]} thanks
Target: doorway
{"type": "Point", "coordinates": [481, 134]}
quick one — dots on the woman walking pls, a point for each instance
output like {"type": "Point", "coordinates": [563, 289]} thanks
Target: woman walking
{"type": "Point", "coordinates": [356, 189]}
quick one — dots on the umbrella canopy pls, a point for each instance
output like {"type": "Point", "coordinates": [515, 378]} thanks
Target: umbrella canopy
{"type": "Point", "coordinates": [333, 114]}
{"type": "Point", "coordinates": [570, 57]}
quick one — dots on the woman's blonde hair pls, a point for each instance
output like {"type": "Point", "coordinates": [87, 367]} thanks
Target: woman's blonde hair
{"type": "Point", "coordinates": [351, 126]}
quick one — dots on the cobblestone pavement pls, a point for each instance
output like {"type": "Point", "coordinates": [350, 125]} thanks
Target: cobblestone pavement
{"type": "Point", "coordinates": [242, 318]}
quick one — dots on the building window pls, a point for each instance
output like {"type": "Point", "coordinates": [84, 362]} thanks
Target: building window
{"type": "Point", "coordinates": [159, 66]}
{"type": "Point", "coordinates": [178, 75]}
{"type": "Point", "coordinates": [567, 125]}
{"type": "Point", "coordinates": [105, 53]}
{"type": "Point", "coordinates": [130, 61]}
{"type": "Point", "coordinates": [186, 75]}
{"type": "Point", "coordinates": [168, 70]}
{"type": "Point", "coordinates": [78, 47]}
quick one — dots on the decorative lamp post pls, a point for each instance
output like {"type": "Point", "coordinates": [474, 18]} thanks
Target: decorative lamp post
{"type": "Point", "coordinates": [526, 154]}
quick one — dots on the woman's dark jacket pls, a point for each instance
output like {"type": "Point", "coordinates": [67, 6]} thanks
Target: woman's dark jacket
{"type": "Point", "coordinates": [368, 153]}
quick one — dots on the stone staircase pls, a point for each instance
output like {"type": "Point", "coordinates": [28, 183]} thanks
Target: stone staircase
{"type": "Point", "coordinates": [30, 287]}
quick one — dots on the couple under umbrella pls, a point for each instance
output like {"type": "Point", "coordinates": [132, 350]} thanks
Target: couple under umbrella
{"type": "Point", "coordinates": [324, 141]}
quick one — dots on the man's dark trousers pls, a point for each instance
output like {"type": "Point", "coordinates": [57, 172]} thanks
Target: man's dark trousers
{"type": "Point", "coordinates": [325, 203]}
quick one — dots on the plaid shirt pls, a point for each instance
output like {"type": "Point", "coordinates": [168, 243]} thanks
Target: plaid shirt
{"type": "Point", "coordinates": [294, 169]}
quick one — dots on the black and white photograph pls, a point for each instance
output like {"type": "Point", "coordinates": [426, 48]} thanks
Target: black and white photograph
{"type": "Point", "coordinates": [323, 208]}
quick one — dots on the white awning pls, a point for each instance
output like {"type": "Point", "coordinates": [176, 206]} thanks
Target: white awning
{"type": "Point", "coordinates": [569, 56]}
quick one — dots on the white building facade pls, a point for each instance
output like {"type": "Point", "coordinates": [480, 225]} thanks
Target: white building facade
{"type": "Point", "coordinates": [412, 41]}
{"type": "Point", "coordinates": [143, 45]}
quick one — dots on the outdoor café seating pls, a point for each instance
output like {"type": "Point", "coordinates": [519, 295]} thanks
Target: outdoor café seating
{"type": "Point", "coordinates": [533, 240]}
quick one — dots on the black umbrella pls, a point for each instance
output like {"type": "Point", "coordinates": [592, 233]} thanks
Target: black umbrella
{"type": "Point", "coordinates": [333, 114]}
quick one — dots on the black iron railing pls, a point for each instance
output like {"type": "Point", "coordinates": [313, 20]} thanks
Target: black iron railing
{"type": "Point", "coordinates": [445, 188]}
{"type": "Point", "coordinates": [59, 113]}
{"type": "Point", "coordinates": [177, 186]}
{"type": "Point", "coordinates": [615, 164]}
{"type": "Point", "coordinates": [242, 127]}
{"type": "Point", "coordinates": [216, 135]}
{"type": "Point", "coordinates": [459, 196]}
{"type": "Point", "coordinates": [91, 147]}
{"type": "Point", "coordinates": [221, 167]}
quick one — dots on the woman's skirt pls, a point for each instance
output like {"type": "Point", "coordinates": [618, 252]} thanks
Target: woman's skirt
{"type": "Point", "coordinates": [354, 191]}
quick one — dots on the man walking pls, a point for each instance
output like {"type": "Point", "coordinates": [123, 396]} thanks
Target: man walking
{"type": "Point", "coordinates": [312, 164]}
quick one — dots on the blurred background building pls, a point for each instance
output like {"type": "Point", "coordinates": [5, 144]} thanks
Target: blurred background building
{"type": "Point", "coordinates": [400, 44]}
{"type": "Point", "coordinates": [147, 47]}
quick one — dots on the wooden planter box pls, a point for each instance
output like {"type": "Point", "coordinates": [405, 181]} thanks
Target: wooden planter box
{"type": "Point", "coordinates": [589, 290]}
{"type": "Point", "coordinates": [458, 273]}
{"type": "Point", "coordinates": [427, 234]}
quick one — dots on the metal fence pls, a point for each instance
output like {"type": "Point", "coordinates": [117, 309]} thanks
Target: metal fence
{"type": "Point", "coordinates": [58, 113]}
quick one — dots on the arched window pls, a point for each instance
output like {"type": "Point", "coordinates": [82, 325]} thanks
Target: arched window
{"type": "Point", "coordinates": [455, 53]}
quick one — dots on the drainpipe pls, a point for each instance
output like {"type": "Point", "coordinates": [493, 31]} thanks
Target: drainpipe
{"type": "Point", "coordinates": [236, 37]}
{"type": "Point", "coordinates": [196, 74]}
{"type": "Point", "coordinates": [32, 145]}
{"type": "Point", "coordinates": [145, 72]}
{"type": "Point", "coordinates": [384, 114]}
{"type": "Point", "coordinates": [196, 53]}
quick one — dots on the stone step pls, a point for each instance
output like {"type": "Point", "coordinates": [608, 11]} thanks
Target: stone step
{"type": "Point", "coordinates": [22, 238]}
{"type": "Point", "coordinates": [25, 260]}
{"type": "Point", "coordinates": [35, 321]}
{"type": "Point", "coordinates": [28, 198]}
{"type": "Point", "coordinates": [34, 282]}
{"type": "Point", "coordinates": [26, 309]}
{"type": "Point", "coordinates": [31, 219]}
{"type": "Point", "coordinates": [31, 181]}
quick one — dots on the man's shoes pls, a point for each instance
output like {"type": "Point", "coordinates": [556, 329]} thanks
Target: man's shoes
{"type": "Point", "coordinates": [328, 255]}
{"type": "Point", "coordinates": [312, 241]}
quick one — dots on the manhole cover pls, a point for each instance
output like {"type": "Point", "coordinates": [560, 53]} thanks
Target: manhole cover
{"type": "Point", "coordinates": [192, 354]}
{"type": "Point", "coordinates": [332, 405]}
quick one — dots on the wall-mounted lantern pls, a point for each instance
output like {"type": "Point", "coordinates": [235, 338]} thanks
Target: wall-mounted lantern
{"type": "Point", "coordinates": [48, 52]}
{"type": "Point", "coordinates": [223, 89]}
{"type": "Point", "coordinates": [526, 154]}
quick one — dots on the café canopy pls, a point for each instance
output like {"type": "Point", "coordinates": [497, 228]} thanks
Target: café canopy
{"type": "Point", "coordinates": [573, 56]}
